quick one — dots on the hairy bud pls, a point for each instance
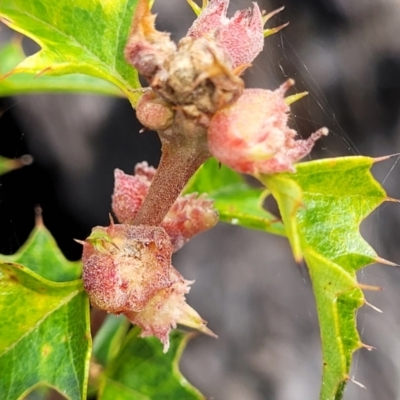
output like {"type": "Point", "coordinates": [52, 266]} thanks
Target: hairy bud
{"type": "Point", "coordinates": [241, 37]}
{"type": "Point", "coordinates": [252, 136]}
{"type": "Point", "coordinates": [124, 266]}
{"type": "Point", "coordinates": [167, 309]}
{"type": "Point", "coordinates": [189, 215]}
{"type": "Point", "coordinates": [127, 269]}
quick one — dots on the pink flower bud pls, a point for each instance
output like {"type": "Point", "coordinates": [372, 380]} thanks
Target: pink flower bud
{"type": "Point", "coordinates": [153, 112]}
{"type": "Point", "coordinates": [242, 36]}
{"type": "Point", "coordinates": [130, 191]}
{"type": "Point", "coordinates": [252, 136]}
{"type": "Point", "coordinates": [124, 266]}
{"type": "Point", "coordinates": [167, 309]}
{"type": "Point", "coordinates": [190, 214]}
{"type": "Point", "coordinates": [127, 269]}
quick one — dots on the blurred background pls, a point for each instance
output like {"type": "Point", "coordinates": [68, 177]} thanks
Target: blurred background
{"type": "Point", "coordinates": [346, 54]}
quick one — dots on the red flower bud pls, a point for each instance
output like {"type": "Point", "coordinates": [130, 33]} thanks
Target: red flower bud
{"type": "Point", "coordinates": [252, 136]}
{"type": "Point", "coordinates": [190, 214]}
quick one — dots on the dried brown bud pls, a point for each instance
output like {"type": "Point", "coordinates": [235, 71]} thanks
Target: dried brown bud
{"type": "Point", "coordinates": [196, 76]}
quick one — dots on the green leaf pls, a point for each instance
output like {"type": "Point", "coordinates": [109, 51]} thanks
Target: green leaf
{"type": "Point", "coordinates": [76, 37]}
{"type": "Point", "coordinates": [322, 206]}
{"type": "Point", "coordinates": [9, 164]}
{"type": "Point", "coordinates": [108, 340]}
{"type": "Point", "coordinates": [44, 334]}
{"type": "Point", "coordinates": [143, 372]}
{"type": "Point", "coordinates": [237, 202]}
{"type": "Point", "coordinates": [19, 83]}
{"type": "Point", "coordinates": [41, 254]}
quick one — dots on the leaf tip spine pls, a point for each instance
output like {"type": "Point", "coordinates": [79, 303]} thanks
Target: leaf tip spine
{"type": "Point", "coordinates": [381, 260]}
{"type": "Point", "coordinates": [384, 158]}
{"type": "Point", "coordinates": [372, 288]}
{"type": "Point", "coordinates": [367, 347]}
{"type": "Point", "coordinates": [357, 383]}
{"type": "Point", "coordinates": [39, 216]}
{"type": "Point", "coordinates": [391, 199]}
{"type": "Point", "coordinates": [373, 307]}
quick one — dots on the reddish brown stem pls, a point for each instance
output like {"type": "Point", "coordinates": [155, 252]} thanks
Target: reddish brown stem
{"type": "Point", "coordinates": [179, 161]}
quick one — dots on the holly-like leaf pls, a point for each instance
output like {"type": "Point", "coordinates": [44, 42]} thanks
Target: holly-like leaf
{"type": "Point", "coordinates": [13, 84]}
{"type": "Point", "coordinates": [9, 164]}
{"type": "Point", "coordinates": [108, 339]}
{"type": "Point", "coordinates": [237, 202]}
{"type": "Point", "coordinates": [142, 371]}
{"type": "Point", "coordinates": [76, 37]}
{"type": "Point", "coordinates": [322, 206]}
{"type": "Point", "coordinates": [41, 254]}
{"type": "Point", "coordinates": [44, 334]}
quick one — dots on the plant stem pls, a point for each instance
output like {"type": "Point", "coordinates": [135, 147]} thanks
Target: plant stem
{"type": "Point", "coordinates": [181, 157]}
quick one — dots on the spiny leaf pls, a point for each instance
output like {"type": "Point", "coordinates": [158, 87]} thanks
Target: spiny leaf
{"type": "Point", "coordinates": [44, 334]}
{"type": "Point", "coordinates": [18, 83]}
{"type": "Point", "coordinates": [108, 340]}
{"type": "Point", "coordinates": [9, 164]}
{"type": "Point", "coordinates": [142, 371]}
{"type": "Point", "coordinates": [41, 254]}
{"type": "Point", "coordinates": [322, 206]}
{"type": "Point", "coordinates": [236, 201]}
{"type": "Point", "coordinates": [80, 36]}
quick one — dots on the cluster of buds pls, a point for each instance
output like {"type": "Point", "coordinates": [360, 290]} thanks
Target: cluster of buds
{"type": "Point", "coordinates": [127, 270]}
{"type": "Point", "coordinates": [196, 88]}
{"type": "Point", "coordinates": [197, 103]}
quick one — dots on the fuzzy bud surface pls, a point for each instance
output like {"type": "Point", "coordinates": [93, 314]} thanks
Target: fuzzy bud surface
{"type": "Point", "coordinates": [127, 270]}
{"type": "Point", "coordinates": [189, 215]}
{"type": "Point", "coordinates": [252, 135]}
{"type": "Point", "coordinates": [124, 266]}
{"type": "Point", "coordinates": [241, 37]}
{"type": "Point", "coordinates": [167, 309]}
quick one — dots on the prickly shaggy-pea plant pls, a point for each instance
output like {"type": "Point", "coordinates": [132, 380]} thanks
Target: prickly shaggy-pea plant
{"type": "Point", "coordinates": [197, 102]}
